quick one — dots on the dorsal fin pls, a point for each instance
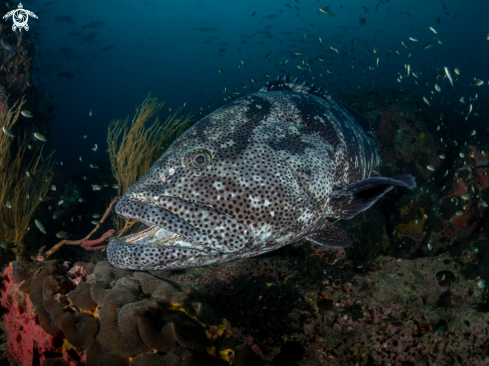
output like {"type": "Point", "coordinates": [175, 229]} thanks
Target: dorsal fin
{"type": "Point", "coordinates": [286, 83]}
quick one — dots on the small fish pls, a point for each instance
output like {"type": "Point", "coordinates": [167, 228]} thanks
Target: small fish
{"type": "Point", "coordinates": [462, 155]}
{"type": "Point", "coordinates": [481, 283]}
{"type": "Point", "coordinates": [427, 45]}
{"type": "Point", "coordinates": [44, 198]}
{"type": "Point", "coordinates": [473, 133]}
{"type": "Point", "coordinates": [40, 226]}
{"type": "Point", "coordinates": [96, 222]}
{"type": "Point", "coordinates": [62, 234]}
{"type": "Point", "coordinates": [477, 82]}
{"type": "Point", "coordinates": [221, 71]}
{"type": "Point", "coordinates": [7, 131]}
{"type": "Point", "coordinates": [5, 45]}
{"type": "Point", "coordinates": [84, 136]}
{"type": "Point", "coordinates": [93, 166]}
{"type": "Point", "coordinates": [80, 158]}
{"type": "Point", "coordinates": [437, 88]}
{"type": "Point", "coordinates": [430, 247]}
{"type": "Point", "coordinates": [447, 72]}
{"type": "Point", "coordinates": [430, 168]}
{"type": "Point", "coordinates": [8, 225]}
{"type": "Point", "coordinates": [254, 81]}
{"type": "Point", "coordinates": [484, 204]}
{"type": "Point", "coordinates": [96, 187]}
{"type": "Point", "coordinates": [6, 244]}
{"type": "Point", "coordinates": [426, 101]}
{"type": "Point", "coordinates": [53, 187]}
{"type": "Point", "coordinates": [326, 11]}
{"type": "Point", "coordinates": [433, 30]}
{"type": "Point", "coordinates": [457, 71]}
{"type": "Point", "coordinates": [28, 173]}
{"type": "Point", "coordinates": [412, 39]}
{"type": "Point", "coordinates": [60, 202]}
{"type": "Point", "coordinates": [40, 137]}
{"type": "Point", "coordinates": [442, 156]}
{"type": "Point", "coordinates": [115, 186]}
{"type": "Point", "coordinates": [26, 113]}
{"type": "Point", "coordinates": [90, 114]}
{"type": "Point", "coordinates": [95, 148]}
{"type": "Point", "coordinates": [8, 204]}
{"type": "Point", "coordinates": [334, 49]}
{"type": "Point", "coordinates": [81, 199]}
{"type": "Point", "coordinates": [439, 330]}
{"type": "Point", "coordinates": [466, 197]}
{"type": "Point", "coordinates": [58, 214]}
{"type": "Point", "coordinates": [95, 216]}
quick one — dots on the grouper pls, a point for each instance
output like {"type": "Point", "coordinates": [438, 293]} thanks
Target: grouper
{"type": "Point", "coordinates": [263, 171]}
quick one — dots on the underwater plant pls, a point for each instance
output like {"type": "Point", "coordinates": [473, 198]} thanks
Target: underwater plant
{"type": "Point", "coordinates": [24, 178]}
{"type": "Point", "coordinates": [135, 145]}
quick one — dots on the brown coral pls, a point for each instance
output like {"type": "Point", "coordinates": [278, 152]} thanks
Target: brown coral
{"type": "Point", "coordinates": [113, 316]}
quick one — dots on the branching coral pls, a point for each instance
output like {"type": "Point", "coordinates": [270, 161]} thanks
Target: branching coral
{"type": "Point", "coordinates": [134, 146]}
{"type": "Point", "coordinates": [24, 177]}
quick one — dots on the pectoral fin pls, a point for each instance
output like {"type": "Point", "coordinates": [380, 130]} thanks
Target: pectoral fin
{"type": "Point", "coordinates": [330, 236]}
{"type": "Point", "coordinates": [356, 197]}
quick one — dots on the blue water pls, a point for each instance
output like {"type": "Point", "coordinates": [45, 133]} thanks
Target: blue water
{"type": "Point", "coordinates": [158, 47]}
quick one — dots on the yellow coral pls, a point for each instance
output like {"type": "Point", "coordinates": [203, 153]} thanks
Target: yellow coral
{"type": "Point", "coordinates": [134, 146]}
{"type": "Point", "coordinates": [20, 190]}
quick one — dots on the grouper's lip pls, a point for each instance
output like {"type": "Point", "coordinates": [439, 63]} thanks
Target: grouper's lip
{"type": "Point", "coordinates": [160, 236]}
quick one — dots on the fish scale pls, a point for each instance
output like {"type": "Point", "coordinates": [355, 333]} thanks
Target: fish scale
{"type": "Point", "coordinates": [261, 172]}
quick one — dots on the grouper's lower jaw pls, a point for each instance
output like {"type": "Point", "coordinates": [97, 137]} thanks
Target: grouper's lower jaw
{"type": "Point", "coordinates": [158, 249]}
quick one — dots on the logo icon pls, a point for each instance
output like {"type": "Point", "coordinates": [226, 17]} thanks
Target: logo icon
{"type": "Point", "coordinates": [20, 17]}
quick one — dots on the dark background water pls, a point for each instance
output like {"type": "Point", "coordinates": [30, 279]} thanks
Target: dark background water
{"type": "Point", "coordinates": [160, 46]}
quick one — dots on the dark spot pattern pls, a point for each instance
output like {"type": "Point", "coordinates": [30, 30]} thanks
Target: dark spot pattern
{"type": "Point", "coordinates": [276, 155]}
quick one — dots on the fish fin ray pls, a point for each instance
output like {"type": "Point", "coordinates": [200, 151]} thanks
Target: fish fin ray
{"type": "Point", "coordinates": [330, 236]}
{"type": "Point", "coordinates": [358, 196]}
{"type": "Point", "coordinates": [287, 83]}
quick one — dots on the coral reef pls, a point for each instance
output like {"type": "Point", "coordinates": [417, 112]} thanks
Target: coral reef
{"type": "Point", "coordinates": [99, 315]}
{"type": "Point", "coordinates": [298, 308]}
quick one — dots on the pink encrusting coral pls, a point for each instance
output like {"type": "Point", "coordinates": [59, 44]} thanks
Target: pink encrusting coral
{"type": "Point", "coordinates": [27, 339]}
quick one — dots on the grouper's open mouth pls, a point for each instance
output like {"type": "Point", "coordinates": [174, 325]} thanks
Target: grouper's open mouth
{"type": "Point", "coordinates": [170, 242]}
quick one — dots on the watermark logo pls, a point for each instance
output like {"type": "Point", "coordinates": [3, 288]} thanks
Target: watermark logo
{"type": "Point", "coordinates": [20, 17]}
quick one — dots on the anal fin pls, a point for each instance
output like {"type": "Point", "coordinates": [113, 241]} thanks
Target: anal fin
{"type": "Point", "coordinates": [330, 236]}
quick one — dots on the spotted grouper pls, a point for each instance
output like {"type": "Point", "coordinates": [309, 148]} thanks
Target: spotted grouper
{"type": "Point", "coordinates": [261, 172]}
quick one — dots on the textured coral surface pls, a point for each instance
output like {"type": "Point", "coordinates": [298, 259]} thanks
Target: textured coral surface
{"type": "Point", "coordinates": [100, 315]}
{"type": "Point", "coordinates": [25, 334]}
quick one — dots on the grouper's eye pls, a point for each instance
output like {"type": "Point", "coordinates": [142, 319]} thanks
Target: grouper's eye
{"type": "Point", "coordinates": [198, 160]}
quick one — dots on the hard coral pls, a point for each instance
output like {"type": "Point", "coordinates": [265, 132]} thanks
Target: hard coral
{"type": "Point", "coordinates": [112, 316]}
